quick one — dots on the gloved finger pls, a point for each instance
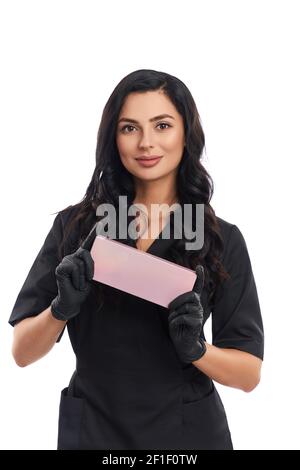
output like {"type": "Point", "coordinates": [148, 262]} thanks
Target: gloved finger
{"type": "Point", "coordinates": [89, 240]}
{"type": "Point", "coordinates": [186, 297]}
{"type": "Point", "coordinates": [184, 324]}
{"type": "Point", "coordinates": [82, 276]}
{"type": "Point", "coordinates": [183, 328]}
{"type": "Point", "coordinates": [64, 269]}
{"type": "Point", "coordinates": [68, 269]}
{"type": "Point", "coordinates": [75, 274]}
{"type": "Point", "coordinates": [178, 324]}
{"type": "Point", "coordinates": [199, 283]}
{"type": "Point", "coordinates": [86, 257]}
{"type": "Point", "coordinates": [186, 310]}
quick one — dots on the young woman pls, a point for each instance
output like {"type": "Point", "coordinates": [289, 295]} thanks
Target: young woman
{"type": "Point", "coordinates": [144, 373]}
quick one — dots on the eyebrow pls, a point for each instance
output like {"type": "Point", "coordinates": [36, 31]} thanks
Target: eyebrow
{"type": "Point", "coordinates": [156, 118]}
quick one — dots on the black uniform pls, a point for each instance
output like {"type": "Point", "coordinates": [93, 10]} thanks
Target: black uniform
{"type": "Point", "coordinates": [129, 389]}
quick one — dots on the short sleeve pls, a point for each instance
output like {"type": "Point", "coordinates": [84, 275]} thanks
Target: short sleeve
{"type": "Point", "coordinates": [236, 315]}
{"type": "Point", "coordinates": [40, 288]}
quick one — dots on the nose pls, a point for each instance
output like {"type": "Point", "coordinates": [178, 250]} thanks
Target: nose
{"type": "Point", "coordinates": [146, 140]}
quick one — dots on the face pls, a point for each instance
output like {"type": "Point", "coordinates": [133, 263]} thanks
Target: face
{"type": "Point", "coordinates": [143, 131]}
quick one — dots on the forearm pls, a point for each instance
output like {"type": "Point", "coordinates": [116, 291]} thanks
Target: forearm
{"type": "Point", "coordinates": [230, 367]}
{"type": "Point", "coordinates": [35, 336]}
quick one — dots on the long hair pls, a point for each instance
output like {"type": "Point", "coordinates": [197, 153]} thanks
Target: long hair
{"type": "Point", "coordinates": [194, 184]}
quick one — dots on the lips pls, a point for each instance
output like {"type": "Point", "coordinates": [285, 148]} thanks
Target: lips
{"type": "Point", "coordinates": [150, 157]}
{"type": "Point", "coordinates": [149, 161]}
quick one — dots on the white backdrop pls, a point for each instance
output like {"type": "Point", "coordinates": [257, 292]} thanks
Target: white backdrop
{"type": "Point", "coordinates": [60, 61]}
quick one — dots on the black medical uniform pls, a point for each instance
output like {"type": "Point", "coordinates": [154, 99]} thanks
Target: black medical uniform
{"type": "Point", "coordinates": [129, 389]}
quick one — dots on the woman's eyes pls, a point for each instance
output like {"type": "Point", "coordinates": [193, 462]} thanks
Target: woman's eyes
{"type": "Point", "coordinates": [128, 125]}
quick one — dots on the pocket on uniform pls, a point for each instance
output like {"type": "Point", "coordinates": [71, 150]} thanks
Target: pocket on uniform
{"type": "Point", "coordinates": [69, 421]}
{"type": "Point", "coordinates": [205, 424]}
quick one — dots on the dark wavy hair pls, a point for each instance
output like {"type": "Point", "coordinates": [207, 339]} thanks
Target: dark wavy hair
{"type": "Point", "coordinates": [194, 184]}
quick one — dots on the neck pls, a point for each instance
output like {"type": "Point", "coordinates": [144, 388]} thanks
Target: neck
{"type": "Point", "coordinates": [155, 192]}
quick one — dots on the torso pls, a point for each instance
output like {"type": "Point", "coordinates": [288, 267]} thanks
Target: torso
{"type": "Point", "coordinates": [129, 390]}
{"type": "Point", "coordinates": [145, 242]}
{"type": "Point", "coordinates": [156, 226]}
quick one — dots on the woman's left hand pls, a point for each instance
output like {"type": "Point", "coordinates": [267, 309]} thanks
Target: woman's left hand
{"type": "Point", "coordinates": [186, 320]}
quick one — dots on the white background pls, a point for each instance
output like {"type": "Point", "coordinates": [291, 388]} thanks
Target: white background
{"type": "Point", "coordinates": [60, 61]}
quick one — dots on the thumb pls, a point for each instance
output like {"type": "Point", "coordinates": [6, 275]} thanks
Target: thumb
{"type": "Point", "coordinates": [199, 283]}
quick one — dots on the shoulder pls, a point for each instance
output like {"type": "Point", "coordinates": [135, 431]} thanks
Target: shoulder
{"type": "Point", "coordinates": [235, 247]}
{"type": "Point", "coordinates": [67, 214]}
{"type": "Point", "coordinates": [226, 228]}
{"type": "Point", "coordinates": [67, 234]}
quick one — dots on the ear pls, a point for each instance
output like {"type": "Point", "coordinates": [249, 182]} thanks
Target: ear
{"type": "Point", "coordinates": [199, 283]}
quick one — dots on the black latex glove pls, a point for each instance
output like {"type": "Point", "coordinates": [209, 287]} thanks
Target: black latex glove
{"type": "Point", "coordinates": [186, 320]}
{"type": "Point", "coordinates": [73, 276]}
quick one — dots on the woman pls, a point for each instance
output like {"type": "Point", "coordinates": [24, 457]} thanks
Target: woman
{"type": "Point", "coordinates": [144, 373]}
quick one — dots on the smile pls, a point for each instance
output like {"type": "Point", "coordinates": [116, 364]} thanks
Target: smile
{"type": "Point", "coordinates": [148, 162]}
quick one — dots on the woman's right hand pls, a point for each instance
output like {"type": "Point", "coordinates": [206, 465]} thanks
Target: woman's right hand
{"type": "Point", "coordinates": [73, 276]}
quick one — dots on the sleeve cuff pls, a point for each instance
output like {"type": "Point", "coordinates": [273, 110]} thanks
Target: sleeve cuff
{"type": "Point", "coordinates": [252, 347]}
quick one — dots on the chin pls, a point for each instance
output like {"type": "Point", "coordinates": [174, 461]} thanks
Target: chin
{"type": "Point", "coordinates": [148, 174]}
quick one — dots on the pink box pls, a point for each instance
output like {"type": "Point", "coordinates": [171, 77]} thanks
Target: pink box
{"type": "Point", "coordinates": [138, 272]}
